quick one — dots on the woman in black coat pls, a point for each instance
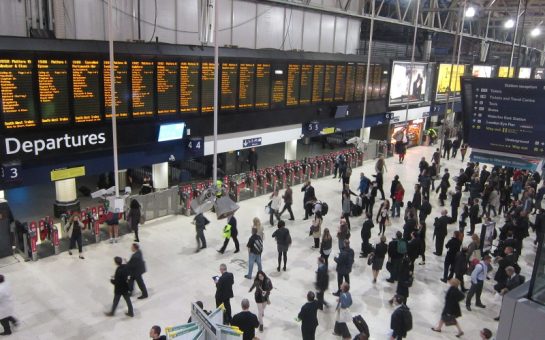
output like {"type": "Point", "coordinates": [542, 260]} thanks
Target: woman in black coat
{"type": "Point", "coordinates": [421, 235]}
{"type": "Point", "coordinates": [134, 218]}
{"type": "Point", "coordinates": [452, 310]}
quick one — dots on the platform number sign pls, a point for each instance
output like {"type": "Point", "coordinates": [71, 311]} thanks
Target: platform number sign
{"type": "Point", "coordinates": [311, 128]}
{"type": "Point", "coordinates": [195, 147]}
{"type": "Point", "coordinates": [10, 173]}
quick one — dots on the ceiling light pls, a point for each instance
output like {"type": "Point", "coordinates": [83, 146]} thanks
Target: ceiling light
{"type": "Point", "coordinates": [535, 32]}
{"type": "Point", "coordinates": [470, 12]}
{"type": "Point", "coordinates": [510, 23]}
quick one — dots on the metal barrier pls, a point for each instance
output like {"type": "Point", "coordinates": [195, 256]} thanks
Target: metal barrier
{"type": "Point", "coordinates": [158, 204]}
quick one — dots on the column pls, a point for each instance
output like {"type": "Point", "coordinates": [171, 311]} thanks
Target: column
{"type": "Point", "coordinates": [159, 175]}
{"type": "Point", "coordinates": [290, 150]}
{"type": "Point", "coordinates": [365, 133]}
{"type": "Point", "coordinates": [66, 198]}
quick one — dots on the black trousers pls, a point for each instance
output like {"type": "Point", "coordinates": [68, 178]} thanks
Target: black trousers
{"type": "Point", "coordinates": [272, 214]}
{"type": "Point", "coordinates": [308, 333]}
{"type": "Point", "coordinates": [439, 244]}
{"type": "Point", "coordinates": [76, 238]}
{"type": "Point", "coordinates": [226, 242]}
{"type": "Point", "coordinates": [5, 323]}
{"type": "Point", "coordinates": [141, 285]}
{"type": "Point", "coordinates": [340, 278]}
{"type": "Point", "coordinates": [346, 216]}
{"type": "Point", "coordinates": [201, 241]}
{"type": "Point", "coordinates": [475, 289]}
{"type": "Point", "coordinates": [283, 253]}
{"type": "Point", "coordinates": [287, 206]}
{"type": "Point", "coordinates": [136, 234]}
{"type": "Point", "coordinates": [381, 192]}
{"type": "Point", "coordinates": [461, 279]}
{"type": "Point", "coordinates": [426, 193]}
{"type": "Point", "coordinates": [454, 212]}
{"type": "Point", "coordinates": [253, 166]}
{"type": "Point", "coordinates": [127, 299]}
{"type": "Point", "coordinates": [448, 270]}
{"type": "Point", "coordinates": [227, 305]}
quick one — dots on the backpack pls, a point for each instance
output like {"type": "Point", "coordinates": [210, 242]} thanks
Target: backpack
{"type": "Point", "coordinates": [325, 208]}
{"type": "Point", "coordinates": [472, 265]}
{"type": "Point", "coordinates": [257, 246]}
{"type": "Point", "coordinates": [402, 247]}
{"type": "Point", "coordinates": [407, 319]}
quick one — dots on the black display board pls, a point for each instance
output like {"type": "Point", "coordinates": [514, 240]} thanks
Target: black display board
{"type": "Point", "coordinates": [340, 82]}
{"type": "Point", "coordinates": [505, 115]}
{"type": "Point", "coordinates": [53, 91]}
{"type": "Point", "coordinates": [329, 83]}
{"type": "Point", "coordinates": [278, 90]}
{"type": "Point", "coordinates": [263, 86]}
{"type": "Point", "coordinates": [318, 83]}
{"type": "Point", "coordinates": [86, 91]}
{"type": "Point", "coordinates": [375, 81]}
{"type": "Point", "coordinates": [121, 76]}
{"type": "Point", "coordinates": [189, 87]}
{"type": "Point", "coordinates": [246, 85]}
{"type": "Point", "coordinates": [17, 93]}
{"type": "Point", "coordinates": [207, 87]}
{"type": "Point", "coordinates": [167, 87]}
{"type": "Point", "coordinates": [228, 90]}
{"type": "Point", "coordinates": [143, 88]}
{"type": "Point", "coordinates": [305, 93]}
{"type": "Point", "coordinates": [360, 82]}
{"type": "Point", "coordinates": [350, 83]}
{"type": "Point", "coordinates": [294, 82]}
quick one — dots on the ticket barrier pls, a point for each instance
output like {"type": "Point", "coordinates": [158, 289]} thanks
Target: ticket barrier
{"type": "Point", "coordinates": [280, 177]}
{"type": "Point", "coordinates": [320, 167]}
{"type": "Point", "coordinates": [354, 156]}
{"type": "Point", "coordinates": [299, 172]}
{"type": "Point", "coordinates": [186, 196]}
{"type": "Point", "coordinates": [262, 181]}
{"type": "Point", "coordinates": [359, 156]}
{"type": "Point", "coordinates": [33, 236]}
{"type": "Point", "coordinates": [307, 170]}
{"type": "Point", "coordinates": [329, 164]}
{"type": "Point", "coordinates": [237, 184]}
{"type": "Point", "coordinates": [271, 179]}
{"type": "Point", "coordinates": [288, 170]}
{"type": "Point", "coordinates": [55, 240]}
{"type": "Point", "coordinates": [251, 182]}
{"type": "Point", "coordinates": [313, 165]}
{"type": "Point", "coordinates": [348, 157]}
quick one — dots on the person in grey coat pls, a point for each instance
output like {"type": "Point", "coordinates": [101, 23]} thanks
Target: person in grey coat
{"type": "Point", "coordinates": [200, 225]}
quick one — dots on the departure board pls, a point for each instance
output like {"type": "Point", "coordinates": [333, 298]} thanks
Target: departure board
{"type": "Point", "coordinates": [207, 90]}
{"type": "Point", "coordinates": [306, 84]}
{"type": "Point", "coordinates": [17, 93]}
{"type": "Point", "coordinates": [262, 85]}
{"type": "Point", "coordinates": [167, 87]}
{"type": "Point", "coordinates": [360, 82]}
{"type": "Point", "coordinates": [189, 86]}
{"type": "Point", "coordinates": [340, 79]}
{"type": "Point", "coordinates": [318, 83]}
{"type": "Point", "coordinates": [143, 88]}
{"type": "Point", "coordinates": [377, 76]}
{"type": "Point", "coordinates": [350, 79]}
{"type": "Point", "coordinates": [294, 81]}
{"type": "Point", "coordinates": [122, 96]}
{"type": "Point", "coordinates": [329, 83]}
{"type": "Point", "coordinates": [86, 90]}
{"type": "Point", "coordinates": [246, 84]}
{"type": "Point", "coordinates": [53, 91]}
{"type": "Point", "coordinates": [278, 96]}
{"type": "Point", "coordinates": [229, 76]}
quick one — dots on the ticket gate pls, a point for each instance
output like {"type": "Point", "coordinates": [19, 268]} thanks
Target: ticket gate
{"type": "Point", "coordinates": [186, 196]}
{"type": "Point", "coordinates": [313, 165]}
{"type": "Point", "coordinates": [271, 179]}
{"type": "Point", "coordinates": [288, 170]}
{"type": "Point", "coordinates": [280, 177]}
{"type": "Point", "coordinates": [262, 181]}
{"type": "Point", "coordinates": [320, 167]}
{"type": "Point", "coordinates": [299, 172]}
{"type": "Point", "coordinates": [329, 164]}
{"type": "Point", "coordinates": [354, 157]}
{"type": "Point", "coordinates": [251, 182]}
{"type": "Point", "coordinates": [359, 156]}
{"type": "Point", "coordinates": [237, 185]}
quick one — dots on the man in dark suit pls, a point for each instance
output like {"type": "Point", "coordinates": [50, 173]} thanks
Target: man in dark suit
{"type": "Point", "coordinates": [252, 159]}
{"type": "Point", "coordinates": [395, 257]}
{"type": "Point", "coordinates": [246, 321]}
{"type": "Point", "coordinates": [397, 321]}
{"type": "Point", "coordinates": [121, 287]}
{"type": "Point", "coordinates": [473, 216]}
{"type": "Point", "coordinates": [507, 260]}
{"type": "Point", "coordinates": [456, 198]}
{"type": "Point", "coordinates": [224, 291]}
{"type": "Point", "coordinates": [425, 210]}
{"type": "Point", "coordinates": [308, 317]}
{"type": "Point", "coordinates": [366, 235]}
{"type": "Point", "coordinates": [308, 197]}
{"type": "Point", "coordinates": [453, 246]}
{"type": "Point", "coordinates": [137, 268]}
{"type": "Point", "coordinates": [440, 231]}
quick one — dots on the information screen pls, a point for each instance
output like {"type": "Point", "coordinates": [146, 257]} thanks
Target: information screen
{"type": "Point", "coordinates": [122, 95]}
{"type": "Point", "coordinates": [207, 90]}
{"type": "Point", "coordinates": [167, 87]}
{"type": "Point", "coordinates": [329, 83]}
{"type": "Point", "coordinates": [305, 93]}
{"type": "Point", "coordinates": [189, 86]}
{"type": "Point", "coordinates": [263, 85]}
{"type": "Point", "coordinates": [340, 82]}
{"type": "Point", "coordinates": [17, 90]}
{"type": "Point", "coordinates": [360, 82]}
{"type": "Point", "coordinates": [229, 76]}
{"type": "Point", "coordinates": [53, 90]}
{"type": "Point", "coordinates": [505, 115]}
{"type": "Point", "coordinates": [525, 73]}
{"type": "Point", "coordinates": [376, 83]}
{"type": "Point", "coordinates": [408, 84]}
{"type": "Point", "coordinates": [294, 82]}
{"type": "Point", "coordinates": [143, 87]}
{"type": "Point", "coordinates": [85, 85]}
{"type": "Point", "coordinates": [318, 83]}
{"type": "Point", "coordinates": [506, 72]}
{"type": "Point", "coordinates": [278, 87]}
{"type": "Point", "coordinates": [246, 85]}
{"type": "Point", "coordinates": [448, 79]}
{"type": "Point", "coordinates": [350, 82]}
{"type": "Point", "coordinates": [482, 71]}
{"type": "Point", "coordinates": [538, 73]}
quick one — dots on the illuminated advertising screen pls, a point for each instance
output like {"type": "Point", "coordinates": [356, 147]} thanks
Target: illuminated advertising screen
{"type": "Point", "coordinates": [448, 80]}
{"type": "Point", "coordinates": [506, 72]}
{"type": "Point", "coordinates": [482, 71]}
{"type": "Point", "coordinates": [538, 73]}
{"type": "Point", "coordinates": [408, 84]}
{"type": "Point", "coordinates": [525, 73]}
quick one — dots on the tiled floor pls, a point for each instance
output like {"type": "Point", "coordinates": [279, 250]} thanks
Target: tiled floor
{"type": "Point", "coordinates": [62, 297]}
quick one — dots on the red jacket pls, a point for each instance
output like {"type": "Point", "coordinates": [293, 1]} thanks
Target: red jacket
{"type": "Point", "coordinates": [398, 195]}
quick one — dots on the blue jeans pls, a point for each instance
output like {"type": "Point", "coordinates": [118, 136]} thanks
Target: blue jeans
{"type": "Point", "coordinates": [251, 259]}
{"type": "Point", "coordinates": [395, 208]}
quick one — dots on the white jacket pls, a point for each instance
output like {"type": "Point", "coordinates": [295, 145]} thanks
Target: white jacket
{"type": "Point", "coordinates": [276, 202]}
{"type": "Point", "coordinates": [6, 302]}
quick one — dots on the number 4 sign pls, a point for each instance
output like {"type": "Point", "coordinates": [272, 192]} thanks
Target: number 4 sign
{"type": "Point", "coordinates": [195, 146]}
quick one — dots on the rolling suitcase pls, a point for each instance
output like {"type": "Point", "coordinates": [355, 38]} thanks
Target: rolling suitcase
{"type": "Point", "coordinates": [361, 325]}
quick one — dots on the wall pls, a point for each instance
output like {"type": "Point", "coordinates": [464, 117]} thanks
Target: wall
{"type": "Point", "coordinates": [242, 23]}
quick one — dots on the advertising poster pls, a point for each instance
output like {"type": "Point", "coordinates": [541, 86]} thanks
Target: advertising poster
{"type": "Point", "coordinates": [506, 72]}
{"type": "Point", "coordinates": [525, 73]}
{"type": "Point", "coordinates": [408, 134]}
{"type": "Point", "coordinates": [538, 73]}
{"type": "Point", "coordinates": [408, 85]}
{"type": "Point", "coordinates": [482, 71]}
{"type": "Point", "coordinates": [448, 79]}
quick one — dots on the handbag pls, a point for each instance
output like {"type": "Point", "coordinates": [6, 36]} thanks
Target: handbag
{"type": "Point", "coordinates": [370, 259]}
{"type": "Point", "coordinates": [389, 266]}
{"type": "Point", "coordinates": [449, 319]}
{"type": "Point", "coordinates": [343, 315]}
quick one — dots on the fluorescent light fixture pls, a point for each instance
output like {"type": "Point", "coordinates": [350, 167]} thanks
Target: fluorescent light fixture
{"type": "Point", "coordinates": [169, 132]}
{"type": "Point", "coordinates": [535, 32]}
{"type": "Point", "coordinates": [278, 72]}
{"type": "Point", "coordinates": [470, 12]}
{"type": "Point", "coordinates": [510, 23]}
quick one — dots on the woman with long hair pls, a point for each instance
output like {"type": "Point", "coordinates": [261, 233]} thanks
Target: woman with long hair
{"type": "Point", "coordinates": [74, 230]}
{"type": "Point", "coordinates": [327, 245]}
{"type": "Point", "coordinates": [317, 229]}
{"type": "Point", "coordinates": [383, 217]}
{"type": "Point", "coordinates": [452, 310]}
{"type": "Point", "coordinates": [263, 287]}
{"type": "Point", "coordinates": [256, 223]}
{"type": "Point", "coordinates": [134, 218]}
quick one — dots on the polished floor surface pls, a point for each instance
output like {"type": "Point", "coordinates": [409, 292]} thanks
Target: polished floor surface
{"type": "Point", "coordinates": [63, 297]}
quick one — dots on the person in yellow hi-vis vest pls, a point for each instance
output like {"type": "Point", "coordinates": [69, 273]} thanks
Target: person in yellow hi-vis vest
{"type": "Point", "coordinates": [219, 187]}
{"type": "Point", "coordinates": [230, 231]}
